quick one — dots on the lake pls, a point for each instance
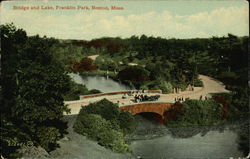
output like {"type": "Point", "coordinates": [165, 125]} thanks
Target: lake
{"type": "Point", "coordinates": [101, 83]}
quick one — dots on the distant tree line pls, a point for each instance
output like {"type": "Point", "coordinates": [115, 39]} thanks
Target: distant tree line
{"type": "Point", "coordinates": [177, 61]}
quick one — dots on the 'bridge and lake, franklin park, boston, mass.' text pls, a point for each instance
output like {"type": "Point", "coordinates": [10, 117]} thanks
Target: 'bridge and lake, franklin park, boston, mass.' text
{"type": "Point", "coordinates": [77, 7]}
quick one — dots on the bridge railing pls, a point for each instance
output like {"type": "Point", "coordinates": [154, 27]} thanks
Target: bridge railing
{"type": "Point", "coordinates": [121, 92]}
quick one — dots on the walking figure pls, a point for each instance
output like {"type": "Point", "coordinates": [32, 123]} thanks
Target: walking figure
{"type": "Point", "coordinates": [201, 97]}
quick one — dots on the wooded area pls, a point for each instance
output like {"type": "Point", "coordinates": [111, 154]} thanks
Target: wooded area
{"type": "Point", "coordinates": [35, 82]}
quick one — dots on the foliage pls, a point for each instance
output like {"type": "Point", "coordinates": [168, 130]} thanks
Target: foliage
{"type": "Point", "coordinates": [91, 125]}
{"type": "Point", "coordinates": [133, 74]}
{"type": "Point", "coordinates": [126, 122]}
{"type": "Point", "coordinates": [173, 112]}
{"type": "Point", "coordinates": [32, 89]}
{"type": "Point", "coordinates": [199, 113]}
{"type": "Point", "coordinates": [114, 140]}
{"type": "Point", "coordinates": [104, 122]}
{"type": "Point", "coordinates": [104, 108]}
{"type": "Point", "coordinates": [94, 91]}
{"type": "Point", "coordinates": [106, 63]}
{"type": "Point", "coordinates": [36, 84]}
{"type": "Point", "coordinates": [48, 136]}
{"type": "Point", "coordinates": [237, 102]}
{"type": "Point", "coordinates": [76, 90]}
{"type": "Point", "coordinates": [85, 64]}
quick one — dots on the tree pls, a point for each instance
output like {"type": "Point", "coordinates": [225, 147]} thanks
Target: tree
{"type": "Point", "coordinates": [32, 89]}
{"type": "Point", "coordinates": [11, 40]}
{"type": "Point", "coordinates": [85, 64]}
{"type": "Point", "coordinates": [134, 74]}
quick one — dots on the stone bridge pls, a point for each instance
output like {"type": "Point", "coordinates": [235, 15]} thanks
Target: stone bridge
{"type": "Point", "coordinates": [149, 107]}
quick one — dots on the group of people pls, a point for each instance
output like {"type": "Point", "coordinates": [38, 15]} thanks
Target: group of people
{"type": "Point", "coordinates": [139, 96]}
{"type": "Point", "coordinates": [142, 98]}
{"type": "Point", "coordinates": [132, 93]}
{"type": "Point", "coordinates": [180, 99]}
{"type": "Point", "coordinates": [201, 97]}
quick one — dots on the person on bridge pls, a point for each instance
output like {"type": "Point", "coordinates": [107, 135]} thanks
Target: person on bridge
{"type": "Point", "coordinates": [124, 96]}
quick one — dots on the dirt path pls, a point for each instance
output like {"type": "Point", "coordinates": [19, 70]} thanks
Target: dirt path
{"type": "Point", "coordinates": [210, 86]}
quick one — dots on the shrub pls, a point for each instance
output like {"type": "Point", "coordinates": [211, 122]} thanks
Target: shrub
{"type": "Point", "coordinates": [113, 139]}
{"type": "Point", "coordinates": [101, 130]}
{"type": "Point", "coordinates": [166, 87]}
{"type": "Point", "coordinates": [104, 108]}
{"type": "Point", "coordinates": [47, 137]}
{"type": "Point", "coordinates": [91, 125]}
{"type": "Point", "coordinates": [198, 83]}
{"type": "Point", "coordinates": [104, 122]}
{"type": "Point", "coordinates": [76, 90]}
{"type": "Point", "coordinates": [199, 112]}
{"type": "Point", "coordinates": [94, 91]}
{"type": "Point", "coordinates": [126, 122]}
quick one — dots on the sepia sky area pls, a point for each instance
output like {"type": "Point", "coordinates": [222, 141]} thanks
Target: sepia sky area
{"type": "Point", "coordinates": [168, 19]}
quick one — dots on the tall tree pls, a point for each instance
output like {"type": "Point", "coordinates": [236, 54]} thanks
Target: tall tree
{"type": "Point", "coordinates": [33, 86]}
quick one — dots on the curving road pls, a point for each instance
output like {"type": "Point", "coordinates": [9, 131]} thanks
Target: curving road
{"type": "Point", "coordinates": [210, 86]}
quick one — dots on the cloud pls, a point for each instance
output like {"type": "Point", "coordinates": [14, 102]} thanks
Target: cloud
{"type": "Point", "coordinates": [95, 24]}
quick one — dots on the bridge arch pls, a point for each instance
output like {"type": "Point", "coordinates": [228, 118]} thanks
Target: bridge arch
{"type": "Point", "coordinates": [152, 116]}
{"type": "Point", "coordinates": [148, 107]}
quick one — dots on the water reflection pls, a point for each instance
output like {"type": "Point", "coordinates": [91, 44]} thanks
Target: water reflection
{"type": "Point", "coordinates": [152, 140]}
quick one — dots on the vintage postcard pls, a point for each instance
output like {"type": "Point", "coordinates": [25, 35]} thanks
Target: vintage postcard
{"type": "Point", "coordinates": [124, 79]}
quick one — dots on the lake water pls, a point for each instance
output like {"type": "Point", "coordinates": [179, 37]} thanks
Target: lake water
{"type": "Point", "coordinates": [101, 83]}
{"type": "Point", "coordinates": [152, 140]}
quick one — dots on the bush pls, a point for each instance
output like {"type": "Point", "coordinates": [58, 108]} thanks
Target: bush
{"type": "Point", "coordinates": [166, 87]}
{"type": "Point", "coordinates": [47, 137]}
{"type": "Point", "coordinates": [198, 83]}
{"type": "Point", "coordinates": [228, 75]}
{"type": "Point", "coordinates": [101, 130]}
{"type": "Point", "coordinates": [161, 84]}
{"type": "Point", "coordinates": [94, 91]}
{"type": "Point", "coordinates": [91, 125]}
{"type": "Point", "coordinates": [237, 102]}
{"type": "Point", "coordinates": [104, 122]}
{"type": "Point", "coordinates": [199, 113]}
{"type": "Point", "coordinates": [113, 139]}
{"type": "Point", "coordinates": [104, 108]}
{"type": "Point", "coordinates": [76, 90]}
{"type": "Point", "coordinates": [126, 122]}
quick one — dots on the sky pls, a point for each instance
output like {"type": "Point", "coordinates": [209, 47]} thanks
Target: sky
{"type": "Point", "coordinates": [165, 18]}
